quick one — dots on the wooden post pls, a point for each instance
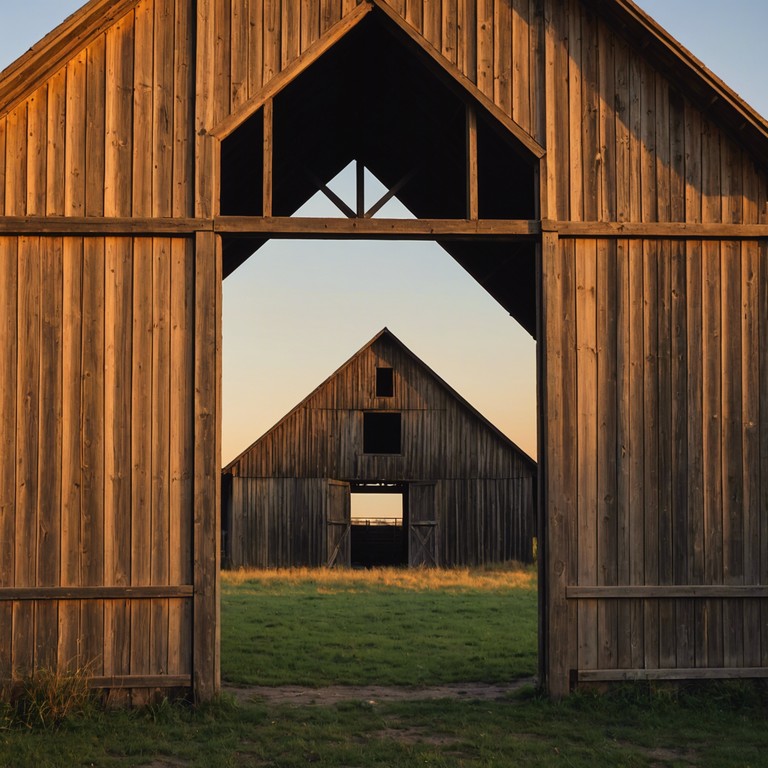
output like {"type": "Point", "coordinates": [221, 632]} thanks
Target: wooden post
{"type": "Point", "coordinates": [558, 306]}
{"type": "Point", "coordinates": [269, 111]}
{"type": "Point", "coordinates": [472, 191]}
{"type": "Point", "coordinates": [207, 463]}
{"type": "Point", "coordinates": [360, 173]}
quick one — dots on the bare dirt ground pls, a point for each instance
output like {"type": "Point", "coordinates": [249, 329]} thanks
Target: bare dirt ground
{"type": "Point", "coordinates": [373, 694]}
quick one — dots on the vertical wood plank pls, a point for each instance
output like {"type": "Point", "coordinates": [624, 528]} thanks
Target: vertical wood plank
{"type": "Point", "coordinates": [589, 119]}
{"type": "Point", "coordinates": [16, 162]}
{"type": "Point", "coordinates": [56, 138]}
{"type": "Point", "coordinates": [37, 156]}
{"type": "Point", "coordinates": [92, 450]}
{"type": "Point", "coordinates": [290, 31]}
{"type": "Point", "coordinates": [651, 443]}
{"type": "Point", "coordinates": [163, 107]}
{"type": "Point", "coordinates": [49, 468]}
{"type": "Point", "coordinates": [143, 109]}
{"type": "Point", "coordinates": [636, 439]}
{"type": "Point", "coordinates": [71, 344]}
{"type": "Point", "coordinates": [266, 175]}
{"type": "Point", "coordinates": [205, 146]}
{"type": "Point", "coordinates": [502, 55]}
{"type": "Point", "coordinates": [273, 38]}
{"type": "Point", "coordinates": [449, 34]}
{"type": "Point", "coordinates": [238, 75]}
{"type": "Point", "coordinates": [118, 161]}
{"type": "Point", "coordinates": [310, 23]}
{"type": "Point", "coordinates": [472, 180]}
{"type": "Point", "coordinates": [586, 378]}
{"type": "Point", "coordinates": [207, 464]}
{"type": "Point", "coordinates": [558, 299]}
{"type": "Point", "coordinates": [181, 456]}
{"type": "Point", "coordinates": [467, 38]}
{"type": "Point", "coordinates": [712, 393]}
{"type": "Point", "coordinates": [141, 452]}
{"type": "Point", "coordinates": [95, 87]}
{"type": "Point", "coordinates": [222, 58]}
{"type": "Point", "coordinates": [256, 42]}
{"type": "Point", "coordinates": [607, 489]}
{"type": "Point", "coordinates": [523, 68]}
{"type": "Point", "coordinates": [27, 447]}
{"type": "Point", "coordinates": [118, 322]}
{"type": "Point", "coordinates": [608, 105]}
{"type": "Point", "coordinates": [485, 46]}
{"type": "Point", "coordinates": [184, 104]}
{"type": "Point", "coordinates": [575, 184]}
{"type": "Point", "coordinates": [8, 361]}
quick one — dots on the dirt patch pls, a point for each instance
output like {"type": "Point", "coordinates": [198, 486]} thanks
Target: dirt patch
{"type": "Point", "coordinates": [414, 736]}
{"type": "Point", "coordinates": [373, 694]}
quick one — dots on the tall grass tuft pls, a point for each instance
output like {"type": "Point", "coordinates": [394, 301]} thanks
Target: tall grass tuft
{"type": "Point", "coordinates": [47, 698]}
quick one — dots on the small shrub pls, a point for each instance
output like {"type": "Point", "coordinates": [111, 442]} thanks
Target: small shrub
{"type": "Point", "coordinates": [47, 698]}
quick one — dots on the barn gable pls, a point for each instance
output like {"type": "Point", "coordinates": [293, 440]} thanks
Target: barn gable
{"type": "Point", "coordinates": [383, 419]}
{"type": "Point", "coordinates": [641, 267]}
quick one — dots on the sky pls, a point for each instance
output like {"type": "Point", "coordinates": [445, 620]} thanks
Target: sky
{"type": "Point", "coordinates": [296, 311]}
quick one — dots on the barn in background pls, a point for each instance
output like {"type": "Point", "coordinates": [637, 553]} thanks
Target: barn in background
{"type": "Point", "coordinates": [383, 422]}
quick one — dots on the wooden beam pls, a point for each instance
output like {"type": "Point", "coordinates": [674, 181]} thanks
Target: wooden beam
{"type": "Point", "coordinates": [656, 230]}
{"type": "Point", "coordinates": [95, 593]}
{"type": "Point", "coordinates": [101, 226]}
{"type": "Point", "coordinates": [267, 183]}
{"type": "Point", "coordinates": [687, 673]}
{"type": "Point", "coordinates": [391, 229]}
{"type": "Point", "coordinates": [472, 181]}
{"type": "Point", "coordinates": [292, 71]}
{"type": "Point", "coordinates": [647, 591]}
{"type": "Point", "coordinates": [140, 681]}
{"type": "Point", "coordinates": [360, 188]}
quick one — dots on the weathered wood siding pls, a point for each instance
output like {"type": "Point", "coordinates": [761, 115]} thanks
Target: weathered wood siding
{"type": "Point", "coordinates": [96, 428]}
{"type": "Point", "coordinates": [110, 133]}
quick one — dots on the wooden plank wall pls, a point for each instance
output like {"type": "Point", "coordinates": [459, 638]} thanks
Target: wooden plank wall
{"type": "Point", "coordinates": [663, 395]}
{"type": "Point", "coordinates": [655, 375]}
{"type": "Point", "coordinates": [111, 133]}
{"type": "Point", "coordinates": [281, 522]}
{"type": "Point", "coordinates": [97, 378]}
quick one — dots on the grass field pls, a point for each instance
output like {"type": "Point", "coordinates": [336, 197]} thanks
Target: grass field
{"type": "Point", "coordinates": [717, 726]}
{"type": "Point", "coordinates": [383, 626]}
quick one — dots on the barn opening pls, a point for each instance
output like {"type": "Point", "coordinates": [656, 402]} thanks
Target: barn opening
{"type": "Point", "coordinates": [404, 135]}
{"type": "Point", "coordinates": [378, 525]}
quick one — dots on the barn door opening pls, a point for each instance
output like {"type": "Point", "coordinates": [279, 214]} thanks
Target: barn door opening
{"type": "Point", "coordinates": [338, 522]}
{"type": "Point", "coordinates": [423, 534]}
{"type": "Point", "coordinates": [378, 532]}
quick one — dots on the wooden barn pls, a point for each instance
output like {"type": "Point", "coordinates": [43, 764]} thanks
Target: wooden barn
{"type": "Point", "coordinates": [605, 187]}
{"type": "Point", "coordinates": [382, 423]}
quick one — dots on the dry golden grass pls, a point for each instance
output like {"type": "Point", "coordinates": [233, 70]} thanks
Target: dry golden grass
{"type": "Point", "coordinates": [508, 576]}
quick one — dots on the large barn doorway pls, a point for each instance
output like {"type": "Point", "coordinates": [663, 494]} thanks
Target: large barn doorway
{"type": "Point", "coordinates": [430, 149]}
{"type": "Point", "coordinates": [378, 525]}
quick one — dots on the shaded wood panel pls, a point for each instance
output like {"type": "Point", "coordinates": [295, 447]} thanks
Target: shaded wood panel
{"type": "Point", "coordinates": [674, 420]}
{"type": "Point", "coordinates": [71, 506]}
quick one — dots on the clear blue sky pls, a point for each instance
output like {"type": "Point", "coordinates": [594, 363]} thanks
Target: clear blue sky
{"type": "Point", "coordinates": [296, 311]}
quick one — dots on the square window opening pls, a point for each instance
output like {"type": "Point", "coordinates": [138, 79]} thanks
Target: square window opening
{"type": "Point", "coordinates": [382, 433]}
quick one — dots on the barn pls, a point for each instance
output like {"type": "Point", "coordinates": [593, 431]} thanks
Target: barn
{"type": "Point", "coordinates": [591, 174]}
{"type": "Point", "coordinates": [384, 422]}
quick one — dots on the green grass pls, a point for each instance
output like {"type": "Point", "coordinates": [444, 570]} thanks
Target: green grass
{"type": "Point", "coordinates": [713, 726]}
{"type": "Point", "coordinates": [362, 628]}
{"type": "Point", "coordinates": [724, 727]}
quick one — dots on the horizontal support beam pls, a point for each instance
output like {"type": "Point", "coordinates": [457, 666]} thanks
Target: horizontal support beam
{"type": "Point", "coordinates": [683, 673]}
{"type": "Point", "coordinates": [101, 226]}
{"type": "Point", "coordinates": [141, 681]}
{"type": "Point", "coordinates": [662, 592]}
{"type": "Point", "coordinates": [95, 593]}
{"type": "Point", "coordinates": [652, 230]}
{"type": "Point", "coordinates": [385, 229]}
{"type": "Point", "coordinates": [357, 228]}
